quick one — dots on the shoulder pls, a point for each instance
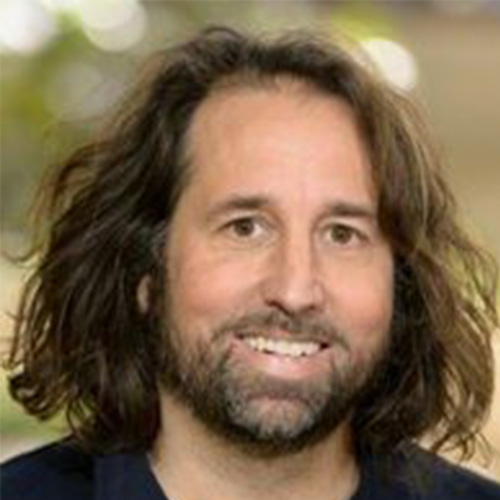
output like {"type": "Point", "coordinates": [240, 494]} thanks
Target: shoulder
{"type": "Point", "coordinates": [435, 477]}
{"type": "Point", "coordinates": [55, 471]}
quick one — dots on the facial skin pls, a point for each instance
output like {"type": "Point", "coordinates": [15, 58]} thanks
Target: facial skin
{"type": "Point", "coordinates": [275, 246]}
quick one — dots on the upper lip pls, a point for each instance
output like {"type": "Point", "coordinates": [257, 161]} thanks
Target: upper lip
{"type": "Point", "coordinates": [286, 336]}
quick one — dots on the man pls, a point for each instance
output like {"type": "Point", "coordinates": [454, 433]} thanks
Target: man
{"type": "Point", "coordinates": [254, 287]}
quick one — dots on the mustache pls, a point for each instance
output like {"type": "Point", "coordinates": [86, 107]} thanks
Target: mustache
{"type": "Point", "coordinates": [300, 326]}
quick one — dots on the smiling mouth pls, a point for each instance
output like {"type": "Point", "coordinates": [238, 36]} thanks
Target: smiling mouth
{"type": "Point", "coordinates": [281, 347]}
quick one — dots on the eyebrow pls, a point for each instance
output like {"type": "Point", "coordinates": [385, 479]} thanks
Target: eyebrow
{"type": "Point", "coordinates": [343, 208]}
{"type": "Point", "coordinates": [238, 202]}
{"type": "Point", "coordinates": [337, 208]}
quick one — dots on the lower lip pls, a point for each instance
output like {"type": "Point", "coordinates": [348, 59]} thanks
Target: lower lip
{"type": "Point", "coordinates": [283, 366]}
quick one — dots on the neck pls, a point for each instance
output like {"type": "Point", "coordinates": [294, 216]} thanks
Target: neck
{"type": "Point", "coordinates": [190, 463]}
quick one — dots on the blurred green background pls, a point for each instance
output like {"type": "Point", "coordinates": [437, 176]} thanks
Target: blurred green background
{"type": "Point", "coordinates": [64, 63]}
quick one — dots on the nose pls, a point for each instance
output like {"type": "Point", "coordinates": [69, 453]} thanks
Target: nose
{"type": "Point", "coordinates": [293, 281]}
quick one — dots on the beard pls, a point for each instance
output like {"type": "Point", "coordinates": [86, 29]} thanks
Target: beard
{"type": "Point", "coordinates": [261, 414]}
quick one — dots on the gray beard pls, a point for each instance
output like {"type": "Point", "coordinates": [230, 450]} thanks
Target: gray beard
{"type": "Point", "coordinates": [262, 415]}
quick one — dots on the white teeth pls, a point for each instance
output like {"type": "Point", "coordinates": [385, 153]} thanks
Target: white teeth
{"type": "Point", "coordinates": [282, 347]}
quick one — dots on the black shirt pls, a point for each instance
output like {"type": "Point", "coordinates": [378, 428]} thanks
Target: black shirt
{"type": "Point", "coordinates": [61, 471]}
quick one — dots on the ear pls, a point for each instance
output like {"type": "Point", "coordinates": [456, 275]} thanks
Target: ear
{"type": "Point", "coordinates": [143, 294]}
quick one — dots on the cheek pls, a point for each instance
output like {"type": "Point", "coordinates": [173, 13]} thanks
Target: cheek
{"type": "Point", "coordinates": [362, 302]}
{"type": "Point", "coordinates": [206, 289]}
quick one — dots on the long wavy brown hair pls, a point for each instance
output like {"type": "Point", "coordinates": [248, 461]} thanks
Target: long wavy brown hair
{"type": "Point", "coordinates": [83, 347]}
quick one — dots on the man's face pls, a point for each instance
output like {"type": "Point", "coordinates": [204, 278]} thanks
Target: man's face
{"type": "Point", "coordinates": [279, 281]}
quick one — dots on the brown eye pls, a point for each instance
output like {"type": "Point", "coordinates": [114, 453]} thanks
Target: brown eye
{"type": "Point", "coordinates": [244, 227]}
{"type": "Point", "coordinates": [342, 234]}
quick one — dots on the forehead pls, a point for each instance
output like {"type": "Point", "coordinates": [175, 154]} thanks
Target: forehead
{"type": "Point", "coordinates": [282, 138]}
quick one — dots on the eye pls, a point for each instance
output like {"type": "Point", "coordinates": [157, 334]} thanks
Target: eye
{"type": "Point", "coordinates": [244, 227]}
{"type": "Point", "coordinates": [342, 234]}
